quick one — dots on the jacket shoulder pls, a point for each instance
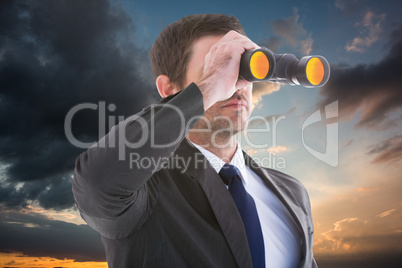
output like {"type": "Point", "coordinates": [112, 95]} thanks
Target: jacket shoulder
{"type": "Point", "coordinates": [283, 178]}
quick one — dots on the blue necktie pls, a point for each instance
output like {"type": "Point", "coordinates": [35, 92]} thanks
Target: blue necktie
{"type": "Point", "coordinates": [248, 212]}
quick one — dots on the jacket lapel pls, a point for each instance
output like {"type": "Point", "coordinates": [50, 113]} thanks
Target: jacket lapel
{"type": "Point", "coordinates": [283, 193]}
{"type": "Point", "coordinates": [221, 201]}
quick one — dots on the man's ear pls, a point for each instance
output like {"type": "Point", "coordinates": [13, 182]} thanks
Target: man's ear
{"type": "Point", "coordinates": [164, 86]}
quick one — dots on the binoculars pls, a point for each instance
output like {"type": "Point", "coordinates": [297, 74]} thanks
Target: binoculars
{"type": "Point", "coordinates": [262, 64]}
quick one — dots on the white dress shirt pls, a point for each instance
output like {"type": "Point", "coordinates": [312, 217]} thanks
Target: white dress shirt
{"type": "Point", "coordinates": [281, 236]}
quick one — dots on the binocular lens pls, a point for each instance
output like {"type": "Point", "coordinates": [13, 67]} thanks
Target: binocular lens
{"type": "Point", "coordinates": [259, 65]}
{"type": "Point", "coordinates": [315, 71]}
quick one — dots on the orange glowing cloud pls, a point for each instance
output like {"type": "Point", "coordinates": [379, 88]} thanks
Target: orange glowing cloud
{"type": "Point", "coordinates": [277, 149]}
{"type": "Point", "coordinates": [70, 215]}
{"type": "Point", "coordinates": [19, 260]}
{"type": "Point", "coordinates": [365, 221]}
{"type": "Point", "coordinates": [386, 213]}
{"type": "Point", "coordinates": [367, 189]}
{"type": "Point", "coordinates": [274, 150]}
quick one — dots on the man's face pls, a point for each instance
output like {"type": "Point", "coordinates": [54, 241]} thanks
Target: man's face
{"type": "Point", "coordinates": [231, 114]}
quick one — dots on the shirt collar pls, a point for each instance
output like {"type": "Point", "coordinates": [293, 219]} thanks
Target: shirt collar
{"type": "Point", "coordinates": [217, 163]}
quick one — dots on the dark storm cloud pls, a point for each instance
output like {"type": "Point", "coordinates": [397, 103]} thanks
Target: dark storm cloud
{"type": "Point", "coordinates": [293, 32]}
{"type": "Point", "coordinates": [273, 43]}
{"type": "Point", "coordinates": [387, 151]}
{"type": "Point", "coordinates": [35, 235]}
{"type": "Point", "coordinates": [53, 56]}
{"type": "Point", "coordinates": [355, 7]}
{"type": "Point", "coordinates": [372, 89]}
{"type": "Point", "coordinates": [289, 28]}
{"type": "Point", "coordinates": [52, 192]}
{"type": "Point", "coordinates": [351, 7]}
{"type": "Point", "coordinates": [389, 260]}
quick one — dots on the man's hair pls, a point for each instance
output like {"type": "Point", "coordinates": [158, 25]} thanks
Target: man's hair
{"type": "Point", "coordinates": [172, 49]}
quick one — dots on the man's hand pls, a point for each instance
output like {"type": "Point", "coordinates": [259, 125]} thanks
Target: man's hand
{"type": "Point", "coordinates": [220, 77]}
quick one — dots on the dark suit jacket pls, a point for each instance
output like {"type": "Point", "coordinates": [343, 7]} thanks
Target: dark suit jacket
{"type": "Point", "coordinates": [176, 212]}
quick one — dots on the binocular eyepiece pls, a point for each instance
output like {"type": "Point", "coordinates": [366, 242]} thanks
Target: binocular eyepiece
{"type": "Point", "coordinates": [262, 64]}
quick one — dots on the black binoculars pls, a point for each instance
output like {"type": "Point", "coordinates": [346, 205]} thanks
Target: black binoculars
{"type": "Point", "coordinates": [263, 65]}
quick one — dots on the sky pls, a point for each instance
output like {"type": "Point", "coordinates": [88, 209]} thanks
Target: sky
{"type": "Point", "coordinates": [342, 141]}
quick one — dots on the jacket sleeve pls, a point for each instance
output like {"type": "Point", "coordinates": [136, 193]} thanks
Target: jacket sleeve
{"type": "Point", "coordinates": [110, 178]}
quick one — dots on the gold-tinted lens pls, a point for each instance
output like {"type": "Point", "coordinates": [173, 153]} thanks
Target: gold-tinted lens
{"type": "Point", "coordinates": [315, 71]}
{"type": "Point", "coordinates": [259, 65]}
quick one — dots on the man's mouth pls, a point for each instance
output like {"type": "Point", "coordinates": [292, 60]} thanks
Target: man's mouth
{"type": "Point", "coordinates": [236, 104]}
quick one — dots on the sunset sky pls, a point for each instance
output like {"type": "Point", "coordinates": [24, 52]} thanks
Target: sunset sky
{"type": "Point", "coordinates": [55, 55]}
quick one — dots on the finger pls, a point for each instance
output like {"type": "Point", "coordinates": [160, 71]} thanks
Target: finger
{"type": "Point", "coordinates": [233, 36]}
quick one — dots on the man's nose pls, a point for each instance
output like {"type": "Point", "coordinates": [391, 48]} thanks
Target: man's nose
{"type": "Point", "coordinates": [240, 93]}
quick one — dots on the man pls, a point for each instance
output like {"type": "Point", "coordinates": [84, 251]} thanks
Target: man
{"type": "Point", "coordinates": [161, 199]}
